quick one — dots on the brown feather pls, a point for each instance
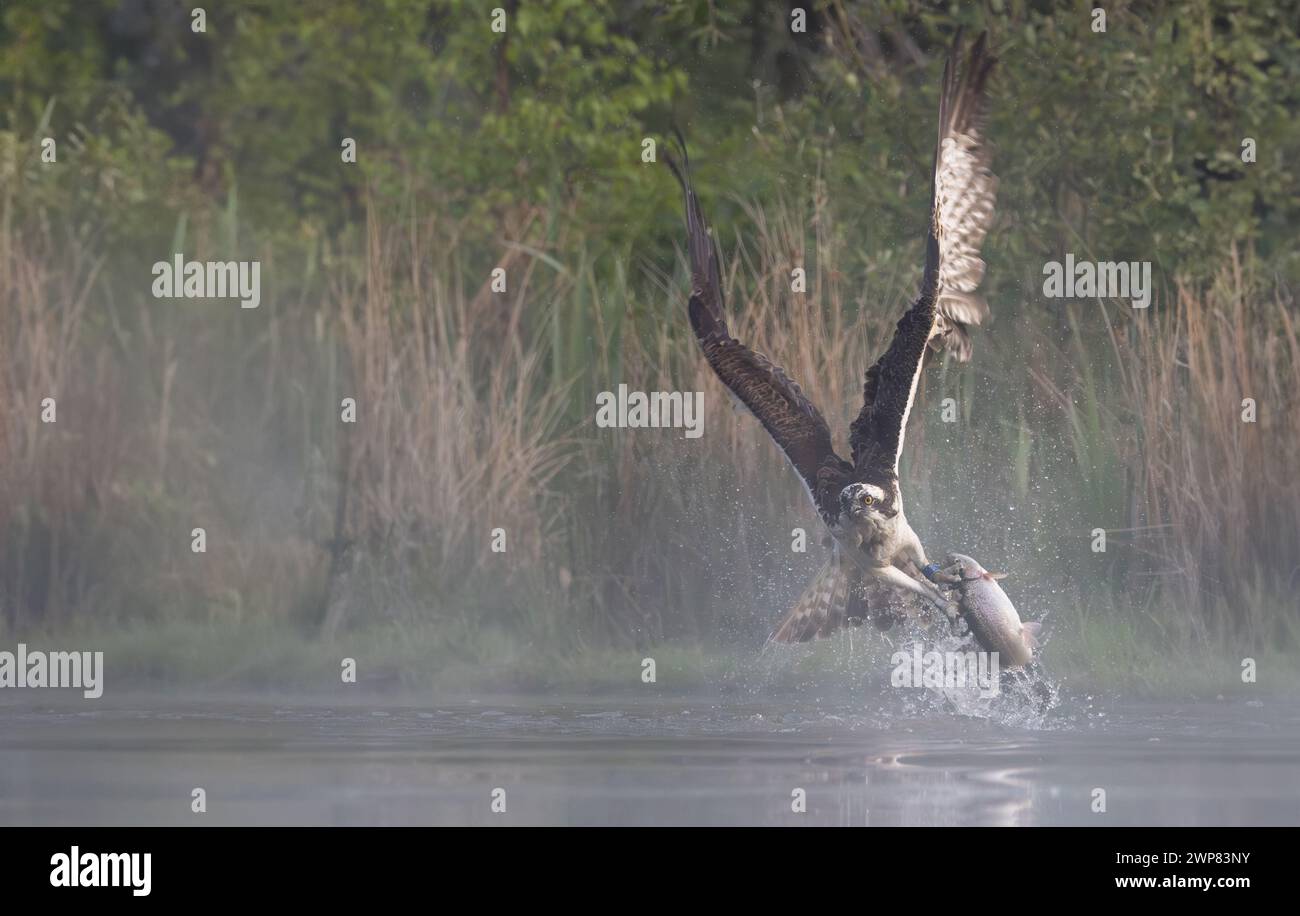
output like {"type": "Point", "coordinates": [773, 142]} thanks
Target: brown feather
{"type": "Point", "coordinates": [962, 196]}
{"type": "Point", "coordinates": [778, 402]}
{"type": "Point", "coordinates": [821, 609]}
{"type": "Point", "coordinates": [841, 595]}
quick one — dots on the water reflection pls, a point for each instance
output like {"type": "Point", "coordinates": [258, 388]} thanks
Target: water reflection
{"type": "Point", "coordinates": [681, 761]}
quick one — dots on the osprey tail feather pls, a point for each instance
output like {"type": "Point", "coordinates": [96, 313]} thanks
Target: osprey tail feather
{"type": "Point", "coordinates": [820, 610]}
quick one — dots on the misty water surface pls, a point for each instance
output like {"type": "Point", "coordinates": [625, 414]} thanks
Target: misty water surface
{"type": "Point", "coordinates": [642, 760]}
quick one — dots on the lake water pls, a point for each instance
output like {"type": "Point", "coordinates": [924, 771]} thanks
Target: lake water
{"type": "Point", "coordinates": [645, 759]}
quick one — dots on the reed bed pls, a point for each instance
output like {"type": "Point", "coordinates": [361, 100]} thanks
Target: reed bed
{"type": "Point", "coordinates": [475, 412]}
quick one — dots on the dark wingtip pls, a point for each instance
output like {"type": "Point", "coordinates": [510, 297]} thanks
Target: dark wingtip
{"type": "Point", "coordinates": [675, 169]}
{"type": "Point", "coordinates": [964, 82]}
{"type": "Point", "coordinates": [682, 171]}
{"type": "Point", "coordinates": [681, 144]}
{"type": "Point", "coordinates": [980, 61]}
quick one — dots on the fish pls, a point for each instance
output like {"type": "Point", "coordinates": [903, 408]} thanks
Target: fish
{"type": "Point", "coordinates": [989, 613]}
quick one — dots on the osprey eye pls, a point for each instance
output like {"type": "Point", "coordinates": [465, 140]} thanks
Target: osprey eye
{"type": "Point", "coordinates": [868, 500]}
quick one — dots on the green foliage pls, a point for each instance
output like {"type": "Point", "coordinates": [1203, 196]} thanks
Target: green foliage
{"type": "Point", "coordinates": [1120, 145]}
{"type": "Point", "coordinates": [436, 101]}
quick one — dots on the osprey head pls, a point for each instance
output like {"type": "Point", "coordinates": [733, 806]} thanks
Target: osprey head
{"type": "Point", "coordinates": [868, 502]}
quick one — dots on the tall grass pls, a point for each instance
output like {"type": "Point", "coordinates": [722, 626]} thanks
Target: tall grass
{"type": "Point", "coordinates": [459, 429]}
{"type": "Point", "coordinates": [1219, 491]}
{"type": "Point", "coordinates": [475, 412]}
{"type": "Point", "coordinates": [50, 495]}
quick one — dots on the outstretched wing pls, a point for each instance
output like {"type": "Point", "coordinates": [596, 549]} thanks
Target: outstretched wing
{"type": "Point", "coordinates": [769, 394]}
{"type": "Point", "coordinates": [964, 194]}
{"type": "Point", "coordinates": [961, 210]}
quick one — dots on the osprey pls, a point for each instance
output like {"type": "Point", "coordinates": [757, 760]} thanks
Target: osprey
{"type": "Point", "coordinates": [876, 553]}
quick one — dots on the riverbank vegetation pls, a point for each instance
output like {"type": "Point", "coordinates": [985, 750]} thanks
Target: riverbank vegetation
{"type": "Point", "coordinates": [478, 152]}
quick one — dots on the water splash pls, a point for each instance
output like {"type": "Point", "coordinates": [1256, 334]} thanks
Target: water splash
{"type": "Point", "coordinates": [854, 669]}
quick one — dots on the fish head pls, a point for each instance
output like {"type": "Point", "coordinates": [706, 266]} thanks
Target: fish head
{"type": "Point", "coordinates": [967, 568]}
